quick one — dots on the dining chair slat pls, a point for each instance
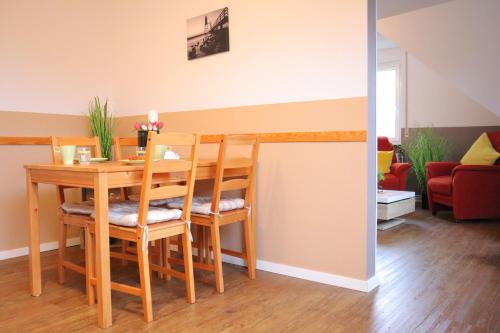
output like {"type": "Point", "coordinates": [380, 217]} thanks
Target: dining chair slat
{"type": "Point", "coordinates": [234, 184]}
{"type": "Point", "coordinates": [168, 191]}
{"type": "Point", "coordinates": [241, 162]}
{"type": "Point", "coordinates": [240, 139]}
{"type": "Point", "coordinates": [175, 139]}
{"type": "Point", "coordinates": [172, 166]}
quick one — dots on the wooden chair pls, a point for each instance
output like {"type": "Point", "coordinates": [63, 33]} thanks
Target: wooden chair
{"type": "Point", "coordinates": [157, 251]}
{"type": "Point", "coordinates": [219, 216]}
{"type": "Point", "coordinates": [145, 227]}
{"type": "Point", "coordinates": [80, 212]}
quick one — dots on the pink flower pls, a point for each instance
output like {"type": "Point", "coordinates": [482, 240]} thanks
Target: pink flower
{"type": "Point", "coordinates": [137, 126]}
{"type": "Point", "coordinates": [159, 125]}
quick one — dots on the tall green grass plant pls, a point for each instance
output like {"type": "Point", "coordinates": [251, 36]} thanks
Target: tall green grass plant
{"type": "Point", "coordinates": [425, 147]}
{"type": "Point", "coordinates": [102, 125]}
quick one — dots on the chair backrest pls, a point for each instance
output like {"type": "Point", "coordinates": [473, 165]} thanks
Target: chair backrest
{"type": "Point", "coordinates": [383, 144]}
{"type": "Point", "coordinates": [118, 143]}
{"type": "Point", "coordinates": [56, 141]}
{"type": "Point", "coordinates": [155, 169]}
{"type": "Point", "coordinates": [247, 165]}
{"type": "Point", "coordinates": [495, 140]}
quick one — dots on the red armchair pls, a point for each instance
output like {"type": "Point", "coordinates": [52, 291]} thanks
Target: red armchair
{"type": "Point", "coordinates": [472, 191]}
{"type": "Point", "coordinates": [396, 179]}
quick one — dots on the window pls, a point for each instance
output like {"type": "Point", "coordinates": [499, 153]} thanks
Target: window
{"type": "Point", "coordinates": [389, 100]}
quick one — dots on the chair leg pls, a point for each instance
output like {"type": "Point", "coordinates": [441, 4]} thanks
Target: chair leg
{"type": "Point", "coordinates": [216, 248]}
{"type": "Point", "coordinates": [161, 261]}
{"type": "Point", "coordinates": [200, 236]}
{"type": "Point", "coordinates": [179, 244]}
{"type": "Point", "coordinates": [124, 251]}
{"type": "Point", "coordinates": [206, 241]}
{"type": "Point", "coordinates": [188, 266]}
{"type": "Point", "coordinates": [63, 228]}
{"type": "Point", "coordinates": [166, 255]}
{"type": "Point", "coordinates": [250, 252]}
{"type": "Point", "coordinates": [89, 266]}
{"type": "Point", "coordinates": [143, 260]}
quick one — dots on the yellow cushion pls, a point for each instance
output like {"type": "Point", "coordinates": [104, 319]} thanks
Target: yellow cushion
{"type": "Point", "coordinates": [385, 160]}
{"type": "Point", "coordinates": [481, 152]}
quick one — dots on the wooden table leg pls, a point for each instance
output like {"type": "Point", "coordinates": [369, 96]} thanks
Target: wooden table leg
{"type": "Point", "coordinates": [35, 274]}
{"type": "Point", "coordinates": [104, 318]}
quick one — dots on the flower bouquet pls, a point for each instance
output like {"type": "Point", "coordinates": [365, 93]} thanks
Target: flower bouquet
{"type": "Point", "coordinates": [144, 128]}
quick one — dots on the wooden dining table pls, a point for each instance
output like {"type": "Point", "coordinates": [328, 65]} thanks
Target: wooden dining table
{"type": "Point", "coordinates": [100, 177]}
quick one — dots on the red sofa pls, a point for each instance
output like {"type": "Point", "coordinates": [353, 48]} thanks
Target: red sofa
{"type": "Point", "coordinates": [472, 191]}
{"type": "Point", "coordinates": [396, 179]}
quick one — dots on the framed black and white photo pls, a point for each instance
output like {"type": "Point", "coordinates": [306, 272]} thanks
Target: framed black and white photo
{"type": "Point", "coordinates": [208, 34]}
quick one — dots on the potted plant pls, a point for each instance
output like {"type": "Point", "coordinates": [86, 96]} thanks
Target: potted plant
{"type": "Point", "coordinates": [102, 125]}
{"type": "Point", "coordinates": [380, 177]}
{"type": "Point", "coordinates": [425, 147]}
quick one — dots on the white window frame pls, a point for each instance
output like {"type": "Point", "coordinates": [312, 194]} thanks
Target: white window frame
{"type": "Point", "coordinates": [394, 58]}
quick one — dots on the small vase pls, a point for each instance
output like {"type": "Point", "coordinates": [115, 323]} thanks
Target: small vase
{"type": "Point", "coordinates": [142, 138]}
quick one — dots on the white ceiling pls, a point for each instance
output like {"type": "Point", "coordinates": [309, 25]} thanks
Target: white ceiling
{"type": "Point", "coordinates": [458, 40]}
{"type": "Point", "coordinates": [386, 8]}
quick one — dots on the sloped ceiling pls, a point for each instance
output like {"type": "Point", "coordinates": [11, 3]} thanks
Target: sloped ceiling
{"type": "Point", "coordinates": [457, 39]}
{"type": "Point", "coordinates": [386, 8]}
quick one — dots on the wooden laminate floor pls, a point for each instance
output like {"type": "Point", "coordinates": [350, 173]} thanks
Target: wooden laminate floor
{"type": "Point", "coordinates": [437, 276]}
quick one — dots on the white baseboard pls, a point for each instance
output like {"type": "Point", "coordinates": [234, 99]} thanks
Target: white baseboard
{"type": "Point", "coordinates": [49, 246]}
{"type": "Point", "coordinates": [306, 274]}
{"type": "Point", "coordinates": [297, 272]}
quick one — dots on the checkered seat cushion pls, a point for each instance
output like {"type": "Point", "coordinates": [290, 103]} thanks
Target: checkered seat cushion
{"type": "Point", "coordinates": [202, 205]}
{"type": "Point", "coordinates": [125, 213]}
{"type": "Point", "coordinates": [81, 208]}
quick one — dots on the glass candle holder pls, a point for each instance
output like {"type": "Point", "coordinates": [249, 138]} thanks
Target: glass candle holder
{"type": "Point", "coordinates": [83, 155]}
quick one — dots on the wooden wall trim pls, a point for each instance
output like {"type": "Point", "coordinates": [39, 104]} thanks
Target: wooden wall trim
{"type": "Point", "coordinates": [24, 140]}
{"type": "Point", "coordinates": [328, 136]}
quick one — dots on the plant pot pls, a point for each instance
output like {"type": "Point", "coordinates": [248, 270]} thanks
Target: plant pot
{"type": "Point", "coordinates": [425, 201]}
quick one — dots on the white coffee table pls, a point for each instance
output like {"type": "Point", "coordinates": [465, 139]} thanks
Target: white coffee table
{"type": "Point", "coordinates": [392, 204]}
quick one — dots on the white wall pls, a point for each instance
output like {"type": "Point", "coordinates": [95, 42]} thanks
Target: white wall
{"type": "Point", "coordinates": [280, 51]}
{"type": "Point", "coordinates": [54, 55]}
{"type": "Point", "coordinates": [432, 100]}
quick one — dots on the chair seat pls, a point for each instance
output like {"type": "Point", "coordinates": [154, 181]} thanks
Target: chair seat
{"type": "Point", "coordinates": [80, 208]}
{"type": "Point", "coordinates": [441, 185]}
{"type": "Point", "coordinates": [126, 214]}
{"type": "Point", "coordinates": [202, 205]}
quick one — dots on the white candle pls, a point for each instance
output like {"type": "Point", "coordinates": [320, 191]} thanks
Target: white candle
{"type": "Point", "coordinates": [152, 116]}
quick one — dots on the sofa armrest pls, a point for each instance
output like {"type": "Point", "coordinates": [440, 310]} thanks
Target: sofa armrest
{"type": "Point", "coordinates": [399, 168]}
{"type": "Point", "coordinates": [476, 168]}
{"type": "Point", "coordinates": [476, 192]}
{"type": "Point", "coordinates": [436, 169]}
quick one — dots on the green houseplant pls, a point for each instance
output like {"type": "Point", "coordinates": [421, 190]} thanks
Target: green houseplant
{"type": "Point", "coordinates": [425, 147]}
{"type": "Point", "coordinates": [102, 125]}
